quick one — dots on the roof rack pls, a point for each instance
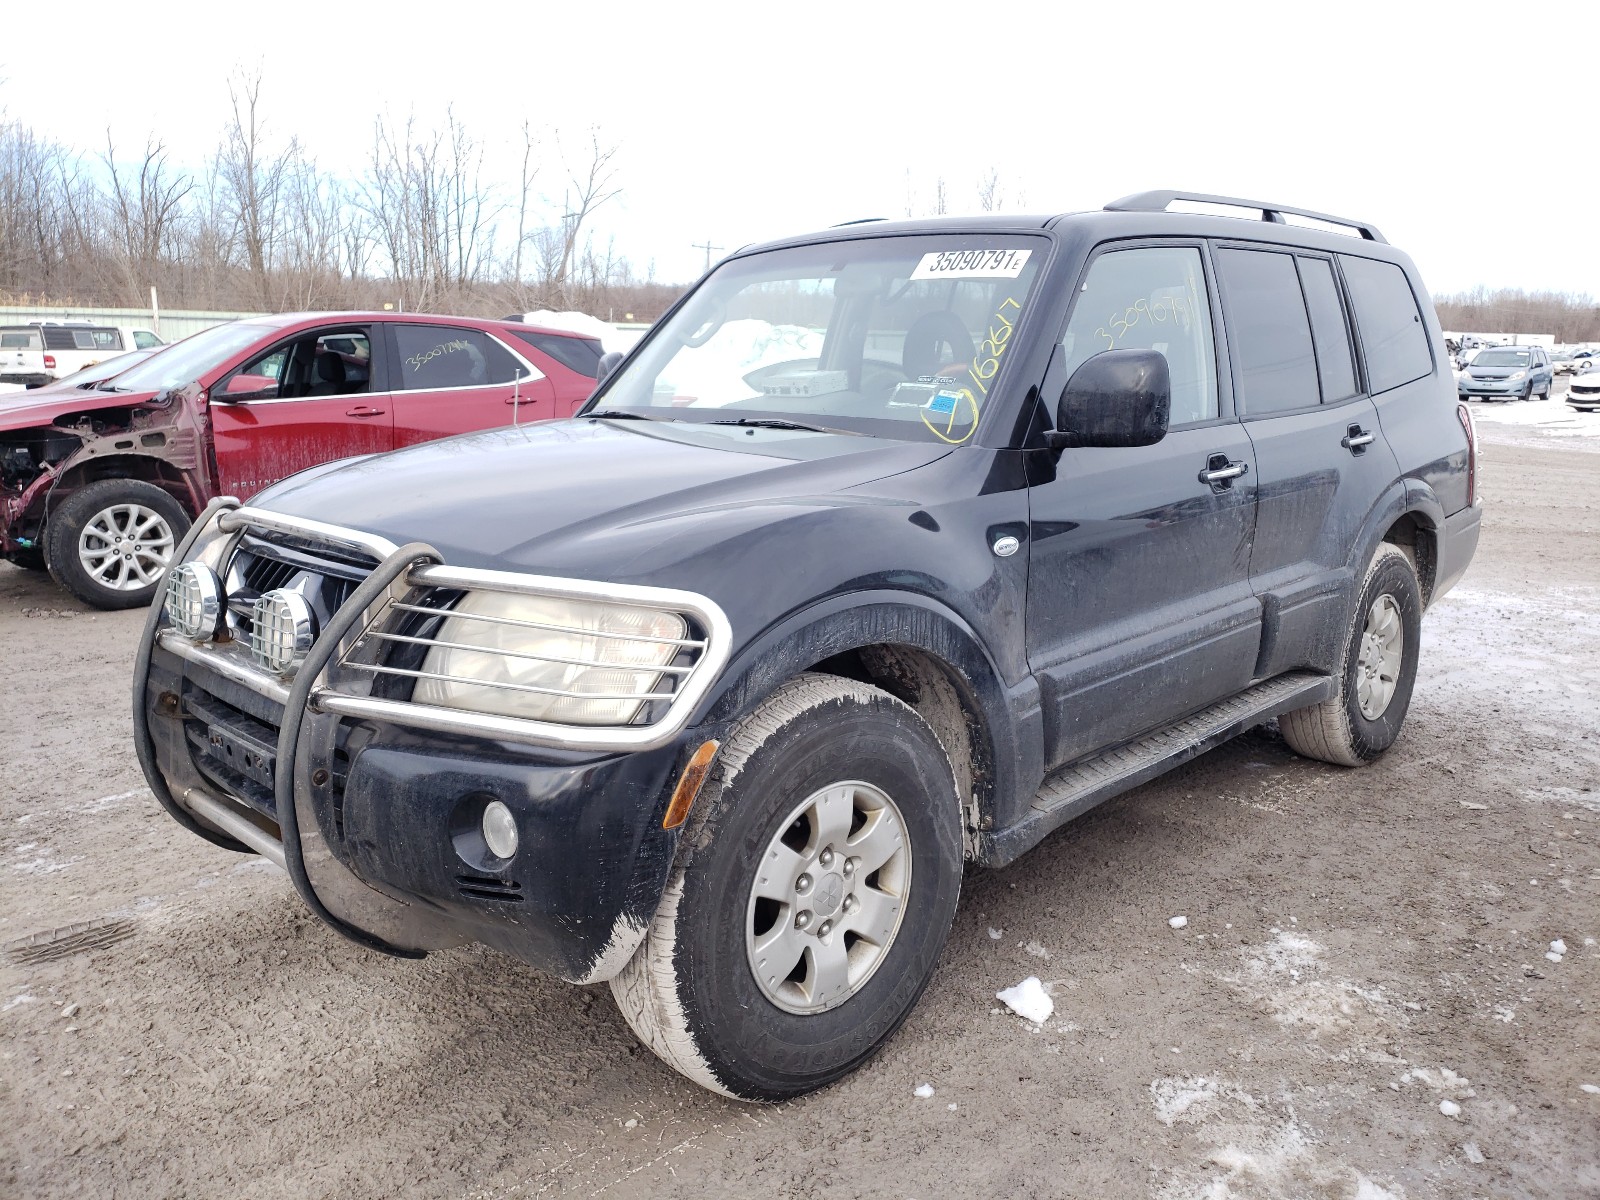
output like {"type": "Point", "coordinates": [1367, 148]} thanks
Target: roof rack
{"type": "Point", "coordinates": [1158, 201]}
{"type": "Point", "coordinates": [858, 221]}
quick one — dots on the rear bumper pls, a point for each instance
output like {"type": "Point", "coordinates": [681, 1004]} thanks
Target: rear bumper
{"type": "Point", "coordinates": [1458, 541]}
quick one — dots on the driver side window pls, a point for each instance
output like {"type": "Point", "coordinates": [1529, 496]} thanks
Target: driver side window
{"type": "Point", "coordinates": [1150, 298]}
{"type": "Point", "coordinates": [325, 364]}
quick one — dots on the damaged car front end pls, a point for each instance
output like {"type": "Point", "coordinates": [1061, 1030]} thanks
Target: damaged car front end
{"type": "Point", "coordinates": [112, 477]}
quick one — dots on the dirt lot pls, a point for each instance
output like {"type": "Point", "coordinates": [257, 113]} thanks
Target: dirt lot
{"type": "Point", "coordinates": [1361, 947]}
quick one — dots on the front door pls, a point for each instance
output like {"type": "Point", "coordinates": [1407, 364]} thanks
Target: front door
{"type": "Point", "coordinates": [454, 379]}
{"type": "Point", "coordinates": [1322, 462]}
{"type": "Point", "coordinates": [307, 400]}
{"type": "Point", "coordinates": [1139, 602]}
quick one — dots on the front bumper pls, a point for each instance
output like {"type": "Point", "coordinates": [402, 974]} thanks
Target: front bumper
{"type": "Point", "coordinates": [386, 817]}
{"type": "Point", "coordinates": [1488, 387]}
{"type": "Point", "coordinates": [1587, 395]}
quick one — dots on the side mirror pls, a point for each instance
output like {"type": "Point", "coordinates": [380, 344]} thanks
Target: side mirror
{"type": "Point", "coordinates": [608, 363]}
{"type": "Point", "coordinates": [249, 387]}
{"type": "Point", "coordinates": [1116, 398]}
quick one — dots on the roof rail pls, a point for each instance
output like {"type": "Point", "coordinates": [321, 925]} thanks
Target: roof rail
{"type": "Point", "coordinates": [1158, 201]}
{"type": "Point", "coordinates": [858, 221]}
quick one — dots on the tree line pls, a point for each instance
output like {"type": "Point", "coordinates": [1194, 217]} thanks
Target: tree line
{"type": "Point", "coordinates": [261, 228]}
{"type": "Point", "coordinates": [1572, 318]}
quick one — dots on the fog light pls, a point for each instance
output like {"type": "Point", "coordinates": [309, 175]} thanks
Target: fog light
{"type": "Point", "coordinates": [281, 630]}
{"type": "Point", "coordinates": [499, 830]}
{"type": "Point", "coordinates": [194, 601]}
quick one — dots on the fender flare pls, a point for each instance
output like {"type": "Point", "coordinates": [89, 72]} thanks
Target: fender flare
{"type": "Point", "coordinates": [1008, 715]}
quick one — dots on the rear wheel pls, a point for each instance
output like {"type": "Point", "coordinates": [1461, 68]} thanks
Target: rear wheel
{"type": "Point", "coordinates": [1363, 719]}
{"type": "Point", "coordinates": [109, 542]}
{"type": "Point", "coordinates": [814, 887]}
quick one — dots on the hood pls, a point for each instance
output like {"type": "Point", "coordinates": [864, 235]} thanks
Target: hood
{"type": "Point", "coordinates": [46, 405]}
{"type": "Point", "coordinates": [592, 496]}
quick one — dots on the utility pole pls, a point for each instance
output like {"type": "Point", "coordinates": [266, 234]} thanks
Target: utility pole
{"type": "Point", "coordinates": [708, 248]}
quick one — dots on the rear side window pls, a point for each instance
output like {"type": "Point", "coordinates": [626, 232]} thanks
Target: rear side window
{"type": "Point", "coordinates": [576, 354]}
{"type": "Point", "coordinates": [447, 356]}
{"type": "Point", "coordinates": [19, 340]}
{"type": "Point", "coordinates": [1335, 363]}
{"type": "Point", "coordinates": [1393, 338]}
{"type": "Point", "coordinates": [1275, 367]}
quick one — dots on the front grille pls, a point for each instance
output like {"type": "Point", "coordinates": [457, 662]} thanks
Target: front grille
{"type": "Point", "coordinates": [323, 576]}
{"type": "Point", "coordinates": [234, 750]}
{"type": "Point", "coordinates": [482, 887]}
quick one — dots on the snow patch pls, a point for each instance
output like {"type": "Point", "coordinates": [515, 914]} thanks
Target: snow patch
{"type": "Point", "coordinates": [924, 1091]}
{"type": "Point", "coordinates": [1028, 1000]}
{"type": "Point", "coordinates": [1286, 976]}
{"type": "Point", "coordinates": [1178, 922]}
{"type": "Point", "coordinates": [20, 998]}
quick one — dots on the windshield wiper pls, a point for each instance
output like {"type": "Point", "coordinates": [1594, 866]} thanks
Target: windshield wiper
{"type": "Point", "coordinates": [617, 414]}
{"type": "Point", "coordinates": [779, 423]}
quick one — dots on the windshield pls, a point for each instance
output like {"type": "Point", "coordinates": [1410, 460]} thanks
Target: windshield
{"type": "Point", "coordinates": [1502, 358]}
{"type": "Point", "coordinates": [104, 369]}
{"type": "Point", "coordinates": [184, 362]}
{"type": "Point", "coordinates": [900, 337]}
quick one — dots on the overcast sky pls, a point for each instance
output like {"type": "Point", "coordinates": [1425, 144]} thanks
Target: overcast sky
{"type": "Point", "coordinates": [1446, 126]}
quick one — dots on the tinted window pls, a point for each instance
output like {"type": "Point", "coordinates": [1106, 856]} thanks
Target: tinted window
{"type": "Point", "coordinates": [1274, 366]}
{"type": "Point", "coordinates": [574, 353]}
{"type": "Point", "coordinates": [447, 356]}
{"type": "Point", "coordinates": [1393, 338]}
{"type": "Point", "coordinates": [1335, 363]}
{"type": "Point", "coordinates": [1153, 298]}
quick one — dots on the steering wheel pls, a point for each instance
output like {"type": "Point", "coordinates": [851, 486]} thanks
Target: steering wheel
{"type": "Point", "coordinates": [935, 339]}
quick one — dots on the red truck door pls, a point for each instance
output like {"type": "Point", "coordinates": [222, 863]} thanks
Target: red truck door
{"type": "Point", "coordinates": [454, 379]}
{"type": "Point", "coordinates": [308, 399]}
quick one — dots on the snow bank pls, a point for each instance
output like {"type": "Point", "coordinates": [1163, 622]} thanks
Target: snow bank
{"type": "Point", "coordinates": [573, 322]}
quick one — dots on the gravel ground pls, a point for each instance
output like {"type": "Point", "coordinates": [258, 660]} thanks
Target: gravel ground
{"type": "Point", "coordinates": [1360, 1005]}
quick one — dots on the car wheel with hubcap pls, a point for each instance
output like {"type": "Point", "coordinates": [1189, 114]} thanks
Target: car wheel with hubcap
{"type": "Point", "coordinates": [1379, 667]}
{"type": "Point", "coordinates": [814, 886]}
{"type": "Point", "coordinates": [109, 542]}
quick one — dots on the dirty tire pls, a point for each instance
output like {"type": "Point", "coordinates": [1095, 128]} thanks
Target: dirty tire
{"type": "Point", "coordinates": [66, 525]}
{"type": "Point", "coordinates": [1335, 730]}
{"type": "Point", "coordinates": [690, 993]}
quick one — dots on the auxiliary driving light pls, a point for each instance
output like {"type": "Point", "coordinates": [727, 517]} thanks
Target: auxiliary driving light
{"type": "Point", "coordinates": [282, 629]}
{"type": "Point", "coordinates": [194, 601]}
{"type": "Point", "coordinates": [499, 829]}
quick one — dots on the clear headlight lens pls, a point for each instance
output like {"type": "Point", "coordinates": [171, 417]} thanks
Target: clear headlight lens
{"type": "Point", "coordinates": [539, 658]}
{"type": "Point", "coordinates": [1517, 375]}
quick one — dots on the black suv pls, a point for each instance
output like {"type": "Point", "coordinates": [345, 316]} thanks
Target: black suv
{"type": "Point", "coordinates": [891, 548]}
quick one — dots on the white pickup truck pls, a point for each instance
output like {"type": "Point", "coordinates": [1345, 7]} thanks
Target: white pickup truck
{"type": "Point", "coordinates": [40, 353]}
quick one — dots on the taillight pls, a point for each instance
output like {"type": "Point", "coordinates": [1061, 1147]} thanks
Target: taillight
{"type": "Point", "coordinates": [49, 362]}
{"type": "Point", "coordinates": [1472, 453]}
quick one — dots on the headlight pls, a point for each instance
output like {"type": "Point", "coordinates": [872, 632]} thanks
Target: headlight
{"type": "Point", "coordinates": [539, 658]}
{"type": "Point", "coordinates": [1516, 375]}
{"type": "Point", "coordinates": [282, 628]}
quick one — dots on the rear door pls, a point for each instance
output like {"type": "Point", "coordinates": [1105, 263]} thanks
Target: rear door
{"type": "Point", "coordinates": [301, 401]}
{"type": "Point", "coordinates": [1321, 459]}
{"type": "Point", "coordinates": [1139, 602]}
{"type": "Point", "coordinates": [571, 363]}
{"type": "Point", "coordinates": [454, 379]}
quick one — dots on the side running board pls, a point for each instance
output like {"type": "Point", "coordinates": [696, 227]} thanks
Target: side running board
{"type": "Point", "coordinates": [1074, 790]}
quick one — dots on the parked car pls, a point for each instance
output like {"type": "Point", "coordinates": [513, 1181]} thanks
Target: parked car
{"type": "Point", "coordinates": [1507, 373]}
{"type": "Point", "coordinates": [1583, 393]}
{"type": "Point", "coordinates": [98, 485]}
{"type": "Point", "coordinates": [888, 549]}
{"type": "Point", "coordinates": [1584, 361]}
{"type": "Point", "coordinates": [42, 352]}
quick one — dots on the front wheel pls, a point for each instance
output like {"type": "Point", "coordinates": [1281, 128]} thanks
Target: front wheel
{"type": "Point", "coordinates": [814, 886]}
{"type": "Point", "coordinates": [109, 542]}
{"type": "Point", "coordinates": [1379, 668]}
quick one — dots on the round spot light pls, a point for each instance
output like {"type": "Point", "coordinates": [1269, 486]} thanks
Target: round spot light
{"type": "Point", "coordinates": [499, 829]}
{"type": "Point", "coordinates": [282, 629]}
{"type": "Point", "coordinates": [194, 601]}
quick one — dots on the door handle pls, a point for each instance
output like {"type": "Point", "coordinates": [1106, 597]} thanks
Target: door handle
{"type": "Point", "coordinates": [1221, 471]}
{"type": "Point", "coordinates": [363, 411]}
{"type": "Point", "coordinates": [1357, 439]}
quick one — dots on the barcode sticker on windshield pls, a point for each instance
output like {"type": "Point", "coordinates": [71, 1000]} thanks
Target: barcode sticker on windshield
{"type": "Point", "coordinates": [972, 264]}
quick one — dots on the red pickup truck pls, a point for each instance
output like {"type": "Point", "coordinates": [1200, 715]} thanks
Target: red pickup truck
{"type": "Point", "coordinates": [99, 485]}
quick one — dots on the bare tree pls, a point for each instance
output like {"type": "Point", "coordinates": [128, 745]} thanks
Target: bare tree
{"type": "Point", "coordinates": [252, 180]}
{"type": "Point", "coordinates": [591, 188]}
{"type": "Point", "coordinates": [990, 197]}
{"type": "Point", "coordinates": [146, 210]}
